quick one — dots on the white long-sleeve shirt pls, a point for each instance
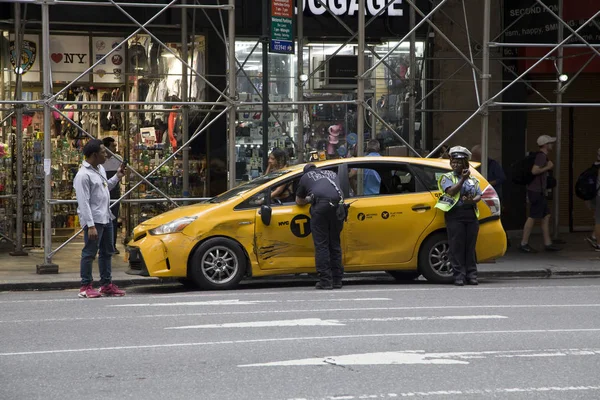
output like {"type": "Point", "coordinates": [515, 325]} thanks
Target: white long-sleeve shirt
{"type": "Point", "coordinates": [93, 195]}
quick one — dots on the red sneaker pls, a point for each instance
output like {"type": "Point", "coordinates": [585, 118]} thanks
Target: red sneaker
{"type": "Point", "coordinates": [87, 291]}
{"type": "Point", "coordinates": [111, 290]}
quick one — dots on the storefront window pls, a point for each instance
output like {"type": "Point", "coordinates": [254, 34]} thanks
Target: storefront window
{"type": "Point", "coordinates": [329, 130]}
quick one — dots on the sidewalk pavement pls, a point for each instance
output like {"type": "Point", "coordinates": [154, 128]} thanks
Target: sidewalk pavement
{"type": "Point", "coordinates": [19, 273]}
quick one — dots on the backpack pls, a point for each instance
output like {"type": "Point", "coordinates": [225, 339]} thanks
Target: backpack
{"type": "Point", "coordinates": [521, 170]}
{"type": "Point", "coordinates": [585, 186]}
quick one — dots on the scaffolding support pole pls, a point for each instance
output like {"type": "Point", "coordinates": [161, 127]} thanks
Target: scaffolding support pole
{"type": "Point", "coordinates": [47, 267]}
{"type": "Point", "coordinates": [185, 108]}
{"type": "Point", "coordinates": [18, 251]}
{"type": "Point", "coordinates": [360, 115]}
{"type": "Point", "coordinates": [265, 84]}
{"type": "Point", "coordinates": [559, 111]}
{"type": "Point", "coordinates": [300, 68]}
{"type": "Point", "coordinates": [485, 87]}
{"type": "Point", "coordinates": [411, 79]}
{"type": "Point", "coordinates": [232, 92]}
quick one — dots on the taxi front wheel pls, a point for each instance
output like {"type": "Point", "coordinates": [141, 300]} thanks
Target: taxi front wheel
{"type": "Point", "coordinates": [434, 259]}
{"type": "Point", "coordinates": [218, 263]}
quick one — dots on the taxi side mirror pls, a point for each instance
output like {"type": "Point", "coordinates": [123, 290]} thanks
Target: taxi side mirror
{"type": "Point", "coordinates": [265, 214]}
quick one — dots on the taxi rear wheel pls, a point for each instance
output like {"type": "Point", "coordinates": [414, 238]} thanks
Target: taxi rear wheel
{"type": "Point", "coordinates": [434, 259]}
{"type": "Point", "coordinates": [217, 264]}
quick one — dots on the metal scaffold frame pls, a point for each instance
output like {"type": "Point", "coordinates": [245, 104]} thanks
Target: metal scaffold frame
{"type": "Point", "coordinates": [229, 104]}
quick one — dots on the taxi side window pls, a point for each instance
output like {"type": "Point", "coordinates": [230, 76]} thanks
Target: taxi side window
{"type": "Point", "coordinates": [429, 175]}
{"type": "Point", "coordinates": [381, 179]}
{"type": "Point", "coordinates": [286, 194]}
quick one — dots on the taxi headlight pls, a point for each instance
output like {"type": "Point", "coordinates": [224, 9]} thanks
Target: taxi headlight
{"type": "Point", "coordinates": [173, 227]}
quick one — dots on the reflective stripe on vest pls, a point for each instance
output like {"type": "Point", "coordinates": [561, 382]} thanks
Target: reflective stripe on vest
{"type": "Point", "coordinates": [447, 202]}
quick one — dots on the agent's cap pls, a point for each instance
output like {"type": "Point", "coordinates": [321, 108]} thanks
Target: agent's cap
{"type": "Point", "coordinates": [459, 152]}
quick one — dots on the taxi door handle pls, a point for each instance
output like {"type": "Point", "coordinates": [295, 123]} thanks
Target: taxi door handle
{"type": "Point", "coordinates": [421, 207]}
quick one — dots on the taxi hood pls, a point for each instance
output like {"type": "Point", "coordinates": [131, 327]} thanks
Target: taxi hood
{"type": "Point", "coordinates": [179, 212]}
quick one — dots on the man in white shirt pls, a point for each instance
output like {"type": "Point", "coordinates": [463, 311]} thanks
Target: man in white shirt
{"type": "Point", "coordinates": [93, 201]}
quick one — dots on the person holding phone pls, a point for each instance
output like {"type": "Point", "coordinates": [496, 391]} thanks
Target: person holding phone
{"type": "Point", "coordinates": [112, 166]}
{"type": "Point", "coordinates": [92, 190]}
{"type": "Point", "coordinates": [459, 198]}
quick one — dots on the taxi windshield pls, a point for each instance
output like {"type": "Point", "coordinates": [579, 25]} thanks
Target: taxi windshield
{"type": "Point", "coordinates": [253, 184]}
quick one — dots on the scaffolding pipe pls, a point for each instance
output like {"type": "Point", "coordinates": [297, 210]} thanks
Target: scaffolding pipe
{"type": "Point", "coordinates": [265, 84]}
{"type": "Point", "coordinates": [544, 105]}
{"type": "Point", "coordinates": [47, 267]}
{"type": "Point", "coordinates": [485, 87]}
{"type": "Point", "coordinates": [232, 93]}
{"type": "Point", "coordinates": [360, 116]}
{"type": "Point", "coordinates": [18, 251]}
{"type": "Point", "coordinates": [477, 96]}
{"type": "Point", "coordinates": [559, 111]}
{"type": "Point", "coordinates": [143, 4]}
{"type": "Point", "coordinates": [101, 60]}
{"type": "Point", "coordinates": [159, 166]}
{"type": "Point", "coordinates": [170, 51]}
{"type": "Point", "coordinates": [411, 79]}
{"type": "Point", "coordinates": [184, 98]}
{"type": "Point", "coordinates": [300, 83]}
{"type": "Point", "coordinates": [417, 26]}
{"type": "Point", "coordinates": [562, 24]}
{"type": "Point", "coordinates": [573, 45]}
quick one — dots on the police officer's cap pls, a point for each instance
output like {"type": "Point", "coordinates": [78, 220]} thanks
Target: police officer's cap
{"type": "Point", "coordinates": [460, 152]}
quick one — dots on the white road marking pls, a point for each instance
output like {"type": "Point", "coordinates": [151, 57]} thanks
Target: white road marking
{"type": "Point", "coordinates": [311, 292]}
{"type": "Point", "coordinates": [265, 324]}
{"type": "Point", "coordinates": [311, 311]}
{"type": "Point", "coordinates": [236, 302]}
{"type": "Point", "coordinates": [330, 322]}
{"type": "Point", "coordinates": [232, 302]}
{"type": "Point", "coordinates": [472, 392]}
{"type": "Point", "coordinates": [303, 338]}
{"type": "Point", "coordinates": [421, 357]}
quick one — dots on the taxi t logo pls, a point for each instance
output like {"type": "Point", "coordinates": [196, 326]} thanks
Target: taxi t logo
{"type": "Point", "coordinates": [300, 225]}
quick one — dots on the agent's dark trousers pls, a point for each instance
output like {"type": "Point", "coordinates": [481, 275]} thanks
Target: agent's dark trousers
{"type": "Point", "coordinates": [462, 227]}
{"type": "Point", "coordinates": [326, 230]}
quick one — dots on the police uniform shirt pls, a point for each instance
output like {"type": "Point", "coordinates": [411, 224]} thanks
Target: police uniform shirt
{"type": "Point", "coordinates": [468, 188]}
{"type": "Point", "coordinates": [315, 182]}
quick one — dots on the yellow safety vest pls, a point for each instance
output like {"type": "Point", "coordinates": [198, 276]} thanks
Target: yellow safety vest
{"type": "Point", "coordinates": [447, 202]}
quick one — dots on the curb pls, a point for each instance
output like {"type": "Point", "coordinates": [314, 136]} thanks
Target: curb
{"type": "Point", "coordinates": [71, 284]}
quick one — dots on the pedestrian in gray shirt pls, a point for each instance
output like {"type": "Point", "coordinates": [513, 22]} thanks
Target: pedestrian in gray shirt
{"type": "Point", "coordinates": [93, 202]}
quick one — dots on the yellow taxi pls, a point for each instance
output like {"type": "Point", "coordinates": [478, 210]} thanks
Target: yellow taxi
{"type": "Point", "coordinates": [244, 232]}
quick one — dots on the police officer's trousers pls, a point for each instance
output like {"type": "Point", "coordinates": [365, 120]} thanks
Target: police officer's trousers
{"type": "Point", "coordinates": [326, 230]}
{"type": "Point", "coordinates": [462, 227]}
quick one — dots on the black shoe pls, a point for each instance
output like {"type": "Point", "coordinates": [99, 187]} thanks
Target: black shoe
{"type": "Point", "coordinates": [472, 281]}
{"type": "Point", "coordinates": [459, 282]}
{"type": "Point", "coordinates": [323, 286]}
{"type": "Point", "coordinates": [559, 241]}
{"type": "Point", "coordinates": [117, 252]}
{"type": "Point", "coordinates": [337, 285]}
{"type": "Point", "coordinates": [552, 247]}
{"type": "Point", "coordinates": [525, 248]}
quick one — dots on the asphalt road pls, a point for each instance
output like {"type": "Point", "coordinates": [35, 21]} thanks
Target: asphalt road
{"type": "Point", "coordinates": [513, 339]}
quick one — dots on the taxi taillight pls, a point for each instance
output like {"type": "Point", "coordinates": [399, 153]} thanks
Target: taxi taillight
{"type": "Point", "coordinates": [491, 199]}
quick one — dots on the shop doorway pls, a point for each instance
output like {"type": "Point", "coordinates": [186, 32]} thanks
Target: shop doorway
{"type": "Point", "coordinates": [585, 141]}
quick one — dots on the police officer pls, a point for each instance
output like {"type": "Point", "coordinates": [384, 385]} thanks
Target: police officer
{"type": "Point", "coordinates": [460, 195]}
{"type": "Point", "coordinates": [321, 189]}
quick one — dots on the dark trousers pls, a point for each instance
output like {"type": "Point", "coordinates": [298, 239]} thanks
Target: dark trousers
{"type": "Point", "coordinates": [326, 230]}
{"type": "Point", "coordinates": [115, 222]}
{"type": "Point", "coordinates": [104, 248]}
{"type": "Point", "coordinates": [462, 227]}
